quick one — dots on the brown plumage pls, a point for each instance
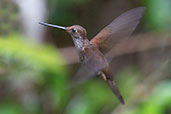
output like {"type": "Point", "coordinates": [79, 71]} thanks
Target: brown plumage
{"type": "Point", "coordinates": [80, 30]}
{"type": "Point", "coordinates": [93, 53]}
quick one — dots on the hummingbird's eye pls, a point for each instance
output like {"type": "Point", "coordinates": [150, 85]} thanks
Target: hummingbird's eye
{"type": "Point", "coordinates": [74, 30]}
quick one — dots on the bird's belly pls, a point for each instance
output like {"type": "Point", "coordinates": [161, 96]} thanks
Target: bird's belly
{"type": "Point", "coordinates": [95, 59]}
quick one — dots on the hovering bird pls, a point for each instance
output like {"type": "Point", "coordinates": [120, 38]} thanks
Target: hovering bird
{"type": "Point", "coordinates": [93, 53]}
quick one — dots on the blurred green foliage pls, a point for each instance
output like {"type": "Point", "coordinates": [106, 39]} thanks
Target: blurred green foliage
{"type": "Point", "coordinates": [62, 11]}
{"type": "Point", "coordinates": [9, 108]}
{"type": "Point", "coordinates": [21, 61]}
{"type": "Point", "coordinates": [158, 102]}
{"type": "Point", "coordinates": [9, 18]}
{"type": "Point", "coordinates": [158, 13]}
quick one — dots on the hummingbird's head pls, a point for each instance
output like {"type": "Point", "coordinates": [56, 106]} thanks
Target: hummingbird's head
{"type": "Point", "coordinates": [76, 31]}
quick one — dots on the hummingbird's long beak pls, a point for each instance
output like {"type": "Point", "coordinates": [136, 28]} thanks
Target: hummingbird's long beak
{"type": "Point", "coordinates": [50, 25]}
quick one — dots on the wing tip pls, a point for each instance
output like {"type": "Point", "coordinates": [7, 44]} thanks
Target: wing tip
{"type": "Point", "coordinates": [140, 9]}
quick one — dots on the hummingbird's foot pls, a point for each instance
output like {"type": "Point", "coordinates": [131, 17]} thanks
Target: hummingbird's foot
{"type": "Point", "coordinates": [103, 76]}
{"type": "Point", "coordinates": [83, 49]}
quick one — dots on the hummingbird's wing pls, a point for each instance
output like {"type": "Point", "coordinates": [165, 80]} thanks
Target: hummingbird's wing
{"type": "Point", "coordinates": [119, 29]}
{"type": "Point", "coordinates": [89, 68]}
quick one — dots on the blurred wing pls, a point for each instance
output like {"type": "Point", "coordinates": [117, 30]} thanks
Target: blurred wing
{"type": "Point", "coordinates": [88, 69]}
{"type": "Point", "coordinates": [121, 28]}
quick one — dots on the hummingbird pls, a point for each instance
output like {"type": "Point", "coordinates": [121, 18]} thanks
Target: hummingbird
{"type": "Point", "coordinates": [93, 54]}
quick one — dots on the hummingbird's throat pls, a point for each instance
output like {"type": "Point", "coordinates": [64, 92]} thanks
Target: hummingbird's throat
{"type": "Point", "coordinates": [78, 43]}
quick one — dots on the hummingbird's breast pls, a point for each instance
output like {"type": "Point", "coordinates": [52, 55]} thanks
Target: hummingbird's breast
{"type": "Point", "coordinates": [93, 55]}
{"type": "Point", "coordinates": [86, 50]}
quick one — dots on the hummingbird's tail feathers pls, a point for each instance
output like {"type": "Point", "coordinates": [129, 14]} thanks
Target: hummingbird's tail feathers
{"type": "Point", "coordinates": [116, 90]}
